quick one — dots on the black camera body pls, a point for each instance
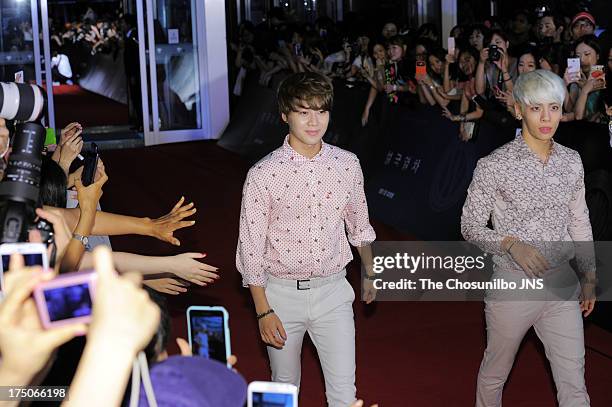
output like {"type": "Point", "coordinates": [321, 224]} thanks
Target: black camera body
{"type": "Point", "coordinates": [494, 53]}
{"type": "Point", "coordinates": [20, 188]}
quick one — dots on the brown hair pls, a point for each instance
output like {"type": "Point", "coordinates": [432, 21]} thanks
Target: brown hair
{"type": "Point", "coordinates": [307, 90]}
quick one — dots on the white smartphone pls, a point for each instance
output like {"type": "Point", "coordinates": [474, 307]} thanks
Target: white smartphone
{"type": "Point", "coordinates": [208, 332]}
{"type": "Point", "coordinates": [451, 45]}
{"type": "Point", "coordinates": [573, 68]}
{"type": "Point", "coordinates": [271, 394]}
{"type": "Point", "coordinates": [34, 254]}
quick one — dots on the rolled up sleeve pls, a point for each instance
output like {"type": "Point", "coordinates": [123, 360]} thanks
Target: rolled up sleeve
{"type": "Point", "coordinates": [254, 219]}
{"type": "Point", "coordinates": [356, 217]}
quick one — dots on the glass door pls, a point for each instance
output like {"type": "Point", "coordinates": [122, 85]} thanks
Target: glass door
{"type": "Point", "coordinates": [173, 84]}
{"type": "Point", "coordinates": [20, 57]}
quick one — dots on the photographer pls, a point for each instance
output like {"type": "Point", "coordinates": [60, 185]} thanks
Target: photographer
{"type": "Point", "coordinates": [495, 74]}
{"type": "Point", "coordinates": [586, 95]}
{"type": "Point", "coordinates": [496, 68]}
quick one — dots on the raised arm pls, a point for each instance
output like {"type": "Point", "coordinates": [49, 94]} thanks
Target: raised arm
{"type": "Point", "coordinates": [446, 77]}
{"type": "Point", "coordinates": [111, 224]}
{"type": "Point", "coordinates": [481, 79]}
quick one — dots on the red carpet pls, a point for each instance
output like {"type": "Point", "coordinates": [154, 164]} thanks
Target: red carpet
{"type": "Point", "coordinates": [408, 354]}
{"type": "Point", "coordinates": [73, 103]}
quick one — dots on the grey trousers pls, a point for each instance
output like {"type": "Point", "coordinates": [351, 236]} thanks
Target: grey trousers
{"type": "Point", "coordinates": [558, 324]}
{"type": "Point", "coordinates": [326, 313]}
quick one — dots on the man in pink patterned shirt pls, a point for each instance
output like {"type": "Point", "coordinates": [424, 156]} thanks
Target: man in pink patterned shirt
{"type": "Point", "coordinates": [299, 204]}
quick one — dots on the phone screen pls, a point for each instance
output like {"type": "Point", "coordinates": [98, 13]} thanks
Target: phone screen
{"type": "Point", "coordinates": [208, 334]}
{"type": "Point", "coordinates": [272, 400]}
{"type": "Point", "coordinates": [421, 69]}
{"type": "Point", "coordinates": [68, 302]}
{"type": "Point", "coordinates": [597, 71]}
{"type": "Point", "coordinates": [451, 45]}
{"type": "Point", "coordinates": [573, 68]}
{"type": "Point", "coordinates": [30, 259]}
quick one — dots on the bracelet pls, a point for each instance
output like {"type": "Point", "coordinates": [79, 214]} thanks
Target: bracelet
{"type": "Point", "coordinates": [370, 278]}
{"type": "Point", "coordinates": [508, 80]}
{"type": "Point", "coordinates": [265, 314]}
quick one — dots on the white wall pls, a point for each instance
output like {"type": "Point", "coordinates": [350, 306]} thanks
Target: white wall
{"type": "Point", "coordinates": [215, 67]}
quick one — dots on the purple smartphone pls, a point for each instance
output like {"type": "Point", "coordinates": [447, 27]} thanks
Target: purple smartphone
{"type": "Point", "coordinates": [67, 299]}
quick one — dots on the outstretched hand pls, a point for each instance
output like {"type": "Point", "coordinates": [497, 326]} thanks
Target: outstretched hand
{"type": "Point", "coordinates": [163, 228]}
{"type": "Point", "coordinates": [187, 267]}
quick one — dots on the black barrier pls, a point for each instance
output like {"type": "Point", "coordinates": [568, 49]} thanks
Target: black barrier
{"type": "Point", "coordinates": [420, 182]}
{"type": "Point", "coordinates": [417, 170]}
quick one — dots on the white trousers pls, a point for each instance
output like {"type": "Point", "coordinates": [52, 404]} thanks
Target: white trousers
{"type": "Point", "coordinates": [558, 324]}
{"type": "Point", "coordinates": [326, 313]}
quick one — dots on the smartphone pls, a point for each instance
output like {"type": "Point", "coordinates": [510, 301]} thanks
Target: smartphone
{"type": "Point", "coordinates": [597, 71]}
{"type": "Point", "coordinates": [271, 394]}
{"type": "Point", "coordinates": [208, 332]}
{"type": "Point", "coordinates": [451, 45]}
{"type": "Point", "coordinates": [90, 165]}
{"type": "Point", "coordinates": [67, 299]}
{"type": "Point", "coordinates": [573, 68]}
{"type": "Point", "coordinates": [34, 254]}
{"type": "Point", "coordinates": [421, 69]}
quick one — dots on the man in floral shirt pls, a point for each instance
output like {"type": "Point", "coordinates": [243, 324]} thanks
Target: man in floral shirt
{"type": "Point", "coordinates": [533, 188]}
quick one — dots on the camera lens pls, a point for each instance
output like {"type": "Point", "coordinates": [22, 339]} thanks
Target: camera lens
{"type": "Point", "coordinates": [21, 102]}
{"type": "Point", "coordinates": [22, 177]}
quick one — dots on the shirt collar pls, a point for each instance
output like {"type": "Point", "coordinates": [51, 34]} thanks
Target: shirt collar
{"type": "Point", "coordinates": [298, 158]}
{"type": "Point", "coordinates": [526, 153]}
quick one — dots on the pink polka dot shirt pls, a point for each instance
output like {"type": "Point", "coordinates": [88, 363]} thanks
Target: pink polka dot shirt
{"type": "Point", "coordinates": [297, 213]}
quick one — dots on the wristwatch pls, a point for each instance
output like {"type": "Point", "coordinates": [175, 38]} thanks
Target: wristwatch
{"type": "Point", "coordinates": [81, 238]}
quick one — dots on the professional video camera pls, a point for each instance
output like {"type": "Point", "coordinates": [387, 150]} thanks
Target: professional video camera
{"type": "Point", "coordinates": [19, 190]}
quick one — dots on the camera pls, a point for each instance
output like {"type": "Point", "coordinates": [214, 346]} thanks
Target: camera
{"type": "Point", "coordinates": [67, 299]}
{"type": "Point", "coordinates": [20, 188]}
{"type": "Point", "coordinates": [494, 53]}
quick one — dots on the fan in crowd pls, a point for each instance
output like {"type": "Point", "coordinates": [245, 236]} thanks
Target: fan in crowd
{"type": "Point", "coordinates": [471, 82]}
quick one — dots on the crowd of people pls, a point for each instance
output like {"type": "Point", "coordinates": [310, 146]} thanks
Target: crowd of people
{"type": "Point", "coordinates": [126, 318]}
{"type": "Point", "coordinates": [469, 81]}
{"type": "Point", "coordinates": [73, 43]}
